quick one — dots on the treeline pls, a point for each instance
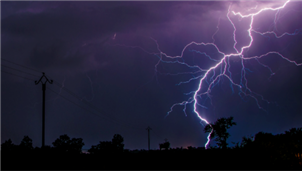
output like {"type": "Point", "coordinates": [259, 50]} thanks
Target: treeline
{"type": "Point", "coordinates": [63, 145]}
{"type": "Point", "coordinates": [261, 151]}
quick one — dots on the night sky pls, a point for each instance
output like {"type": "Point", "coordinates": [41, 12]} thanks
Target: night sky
{"type": "Point", "coordinates": [110, 77]}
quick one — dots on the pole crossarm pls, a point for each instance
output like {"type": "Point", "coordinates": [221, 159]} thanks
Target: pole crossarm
{"type": "Point", "coordinates": [37, 82]}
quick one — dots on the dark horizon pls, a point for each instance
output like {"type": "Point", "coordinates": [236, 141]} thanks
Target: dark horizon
{"type": "Point", "coordinates": [266, 151]}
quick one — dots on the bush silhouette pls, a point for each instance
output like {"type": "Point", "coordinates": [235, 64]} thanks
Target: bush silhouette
{"type": "Point", "coordinates": [116, 145]}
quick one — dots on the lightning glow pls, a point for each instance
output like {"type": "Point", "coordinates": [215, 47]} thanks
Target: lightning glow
{"type": "Point", "coordinates": [210, 78]}
{"type": "Point", "coordinates": [224, 61]}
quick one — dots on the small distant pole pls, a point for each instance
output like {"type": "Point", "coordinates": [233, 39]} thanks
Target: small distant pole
{"type": "Point", "coordinates": [43, 105]}
{"type": "Point", "coordinates": [148, 137]}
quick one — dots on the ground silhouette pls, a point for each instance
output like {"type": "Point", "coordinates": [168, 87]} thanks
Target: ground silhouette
{"type": "Point", "coordinates": [261, 151]}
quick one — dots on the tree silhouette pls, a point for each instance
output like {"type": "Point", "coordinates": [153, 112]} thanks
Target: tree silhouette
{"type": "Point", "coordinates": [116, 145]}
{"type": "Point", "coordinates": [76, 145]}
{"type": "Point", "coordinates": [117, 142]}
{"type": "Point", "coordinates": [61, 144]}
{"type": "Point", "coordinates": [93, 149]}
{"type": "Point", "coordinates": [8, 145]}
{"type": "Point", "coordinates": [219, 129]}
{"type": "Point", "coordinates": [264, 140]}
{"type": "Point", "coordinates": [102, 147]}
{"type": "Point", "coordinates": [65, 144]}
{"type": "Point", "coordinates": [237, 146]}
{"type": "Point", "coordinates": [295, 135]}
{"type": "Point", "coordinates": [292, 145]}
{"type": "Point", "coordinates": [26, 143]}
{"type": "Point", "coordinates": [105, 146]}
{"type": "Point", "coordinates": [190, 148]}
{"type": "Point", "coordinates": [246, 142]}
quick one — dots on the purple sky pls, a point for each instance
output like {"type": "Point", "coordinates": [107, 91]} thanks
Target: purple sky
{"type": "Point", "coordinates": [74, 44]}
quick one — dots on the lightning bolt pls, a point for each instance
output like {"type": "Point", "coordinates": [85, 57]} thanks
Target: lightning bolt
{"type": "Point", "coordinates": [224, 62]}
{"type": "Point", "coordinates": [211, 77]}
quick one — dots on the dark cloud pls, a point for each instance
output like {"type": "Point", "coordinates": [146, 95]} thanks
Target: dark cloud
{"type": "Point", "coordinates": [72, 32]}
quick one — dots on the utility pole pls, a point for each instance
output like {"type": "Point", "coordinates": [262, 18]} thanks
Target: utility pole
{"type": "Point", "coordinates": [43, 105]}
{"type": "Point", "coordinates": [148, 137]}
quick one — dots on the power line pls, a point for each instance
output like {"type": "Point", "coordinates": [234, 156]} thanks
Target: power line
{"type": "Point", "coordinates": [21, 65]}
{"type": "Point", "coordinates": [81, 99]}
{"type": "Point", "coordinates": [91, 105]}
{"type": "Point", "coordinates": [157, 135]}
{"type": "Point", "coordinates": [18, 70]}
{"type": "Point", "coordinates": [71, 101]}
{"type": "Point", "coordinates": [87, 103]}
{"type": "Point", "coordinates": [17, 75]}
{"type": "Point", "coordinates": [68, 91]}
{"type": "Point", "coordinates": [111, 120]}
{"type": "Point", "coordinates": [73, 94]}
{"type": "Point", "coordinates": [56, 83]}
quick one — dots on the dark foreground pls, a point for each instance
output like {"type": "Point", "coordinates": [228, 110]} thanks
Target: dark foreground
{"type": "Point", "coordinates": [207, 159]}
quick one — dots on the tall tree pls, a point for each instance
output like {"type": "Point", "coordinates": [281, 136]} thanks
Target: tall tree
{"type": "Point", "coordinates": [117, 142]}
{"type": "Point", "coordinates": [220, 132]}
{"type": "Point", "coordinates": [26, 143]}
{"type": "Point", "coordinates": [61, 143]}
{"type": "Point", "coordinates": [76, 145]}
